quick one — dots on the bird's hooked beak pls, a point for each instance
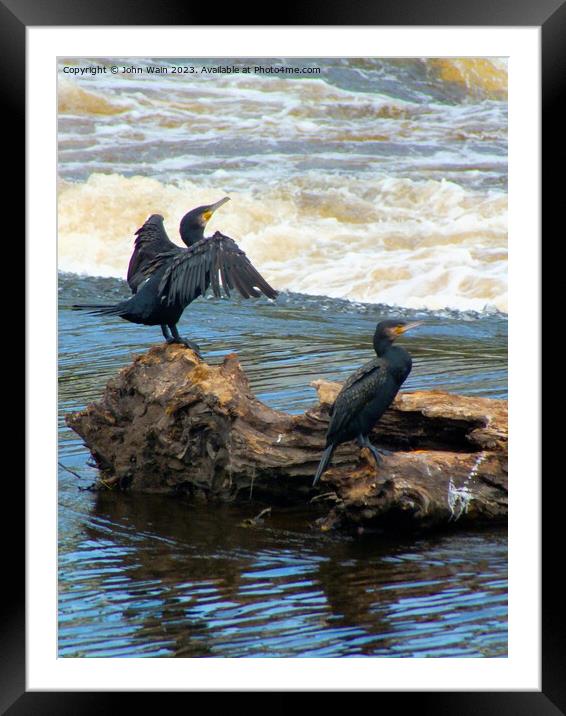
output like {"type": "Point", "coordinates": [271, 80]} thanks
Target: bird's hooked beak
{"type": "Point", "coordinates": [209, 211]}
{"type": "Point", "coordinates": [403, 328]}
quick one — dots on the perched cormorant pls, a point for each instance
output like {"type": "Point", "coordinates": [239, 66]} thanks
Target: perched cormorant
{"type": "Point", "coordinates": [368, 392]}
{"type": "Point", "coordinates": [165, 278]}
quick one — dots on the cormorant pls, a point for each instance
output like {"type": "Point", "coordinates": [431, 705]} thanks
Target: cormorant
{"type": "Point", "coordinates": [165, 278]}
{"type": "Point", "coordinates": [368, 392]}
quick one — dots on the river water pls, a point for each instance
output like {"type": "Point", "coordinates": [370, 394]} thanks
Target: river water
{"type": "Point", "coordinates": [375, 181]}
{"type": "Point", "coordinates": [376, 189]}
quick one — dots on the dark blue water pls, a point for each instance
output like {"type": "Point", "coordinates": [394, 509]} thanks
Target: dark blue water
{"type": "Point", "coordinates": [147, 575]}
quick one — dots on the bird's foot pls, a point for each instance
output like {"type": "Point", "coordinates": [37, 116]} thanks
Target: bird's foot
{"type": "Point", "coordinates": [188, 344]}
{"type": "Point", "coordinates": [378, 454]}
{"type": "Point", "coordinates": [384, 452]}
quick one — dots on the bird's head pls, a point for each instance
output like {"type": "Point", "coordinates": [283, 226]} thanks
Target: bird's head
{"type": "Point", "coordinates": [388, 331]}
{"type": "Point", "coordinates": [193, 223]}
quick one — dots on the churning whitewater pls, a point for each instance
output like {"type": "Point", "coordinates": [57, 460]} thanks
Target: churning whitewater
{"type": "Point", "coordinates": [377, 181]}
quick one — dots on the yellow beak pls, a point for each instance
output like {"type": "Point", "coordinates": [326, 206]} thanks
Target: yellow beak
{"type": "Point", "coordinates": [407, 327]}
{"type": "Point", "coordinates": [212, 208]}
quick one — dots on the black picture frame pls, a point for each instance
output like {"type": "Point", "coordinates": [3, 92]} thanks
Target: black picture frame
{"type": "Point", "coordinates": [550, 16]}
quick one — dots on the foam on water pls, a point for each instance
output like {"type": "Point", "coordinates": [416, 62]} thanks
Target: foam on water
{"type": "Point", "coordinates": [73, 99]}
{"type": "Point", "coordinates": [417, 244]}
{"type": "Point", "coordinates": [378, 181]}
{"type": "Point", "coordinates": [480, 76]}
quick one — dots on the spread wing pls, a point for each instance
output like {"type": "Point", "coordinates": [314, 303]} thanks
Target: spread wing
{"type": "Point", "coordinates": [216, 261]}
{"type": "Point", "coordinates": [151, 240]}
{"type": "Point", "coordinates": [356, 393]}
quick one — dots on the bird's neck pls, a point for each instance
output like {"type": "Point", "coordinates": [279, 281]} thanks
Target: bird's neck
{"type": "Point", "coordinates": [191, 234]}
{"type": "Point", "coordinates": [397, 358]}
{"type": "Point", "coordinates": [382, 346]}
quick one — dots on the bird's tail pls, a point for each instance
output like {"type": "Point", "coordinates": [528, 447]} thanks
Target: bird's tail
{"type": "Point", "coordinates": [98, 308]}
{"type": "Point", "coordinates": [323, 464]}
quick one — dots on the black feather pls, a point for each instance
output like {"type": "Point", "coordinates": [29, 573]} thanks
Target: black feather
{"type": "Point", "coordinates": [166, 278]}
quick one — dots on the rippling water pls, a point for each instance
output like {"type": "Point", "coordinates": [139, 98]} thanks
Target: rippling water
{"type": "Point", "coordinates": [143, 575]}
{"type": "Point", "coordinates": [376, 188]}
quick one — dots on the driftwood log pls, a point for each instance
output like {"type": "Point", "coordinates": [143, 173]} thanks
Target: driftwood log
{"type": "Point", "coordinates": [171, 423]}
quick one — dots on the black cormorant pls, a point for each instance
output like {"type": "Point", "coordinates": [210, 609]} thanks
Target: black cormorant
{"type": "Point", "coordinates": [165, 278]}
{"type": "Point", "coordinates": [368, 392]}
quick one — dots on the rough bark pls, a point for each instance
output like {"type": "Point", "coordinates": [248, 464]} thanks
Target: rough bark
{"type": "Point", "coordinates": [171, 423]}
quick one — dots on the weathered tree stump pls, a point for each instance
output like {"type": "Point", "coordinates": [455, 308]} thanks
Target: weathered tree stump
{"type": "Point", "coordinates": [171, 423]}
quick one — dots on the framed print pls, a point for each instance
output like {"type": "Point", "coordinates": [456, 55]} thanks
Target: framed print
{"type": "Point", "coordinates": [366, 164]}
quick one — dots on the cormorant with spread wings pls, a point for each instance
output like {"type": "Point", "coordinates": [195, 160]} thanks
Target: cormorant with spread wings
{"type": "Point", "coordinates": [165, 278]}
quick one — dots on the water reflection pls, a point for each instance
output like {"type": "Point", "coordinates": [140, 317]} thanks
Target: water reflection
{"type": "Point", "coordinates": [154, 576]}
{"type": "Point", "coordinates": [175, 580]}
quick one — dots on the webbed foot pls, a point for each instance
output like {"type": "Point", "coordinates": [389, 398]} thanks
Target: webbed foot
{"type": "Point", "coordinates": [176, 338]}
{"type": "Point", "coordinates": [187, 343]}
{"type": "Point", "coordinates": [378, 454]}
